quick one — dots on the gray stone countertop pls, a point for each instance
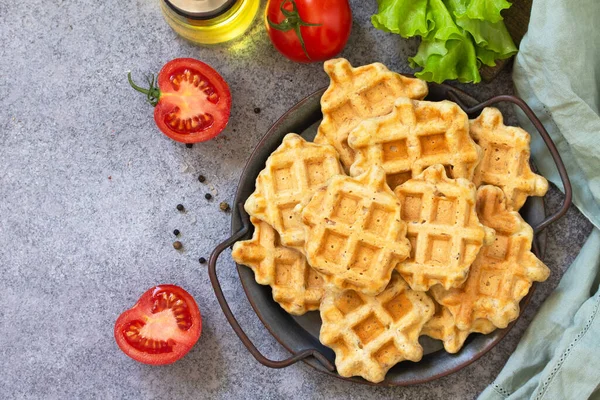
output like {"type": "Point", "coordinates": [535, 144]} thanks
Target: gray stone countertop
{"type": "Point", "coordinates": [88, 191]}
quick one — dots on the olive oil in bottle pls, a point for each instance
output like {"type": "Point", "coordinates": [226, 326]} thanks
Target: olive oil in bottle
{"type": "Point", "coordinates": [209, 21]}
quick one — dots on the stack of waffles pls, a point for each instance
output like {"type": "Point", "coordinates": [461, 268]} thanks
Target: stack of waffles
{"type": "Point", "coordinates": [400, 220]}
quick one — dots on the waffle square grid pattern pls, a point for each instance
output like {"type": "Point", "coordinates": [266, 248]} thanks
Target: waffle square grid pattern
{"type": "Point", "coordinates": [296, 286]}
{"type": "Point", "coordinates": [414, 136]}
{"type": "Point", "coordinates": [505, 160]}
{"type": "Point", "coordinates": [503, 271]}
{"type": "Point", "coordinates": [443, 327]}
{"type": "Point", "coordinates": [370, 334]}
{"type": "Point", "coordinates": [443, 229]}
{"type": "Point", "coordinates": [355, 94]}
{"type": "Point", "coordinates": [354, 233]}
{"type": "Point", "coordinates": [291, 175]}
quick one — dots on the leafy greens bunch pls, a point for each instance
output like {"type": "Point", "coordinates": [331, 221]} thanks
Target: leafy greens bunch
{"type": "Point", "coordinates": [457, 35]}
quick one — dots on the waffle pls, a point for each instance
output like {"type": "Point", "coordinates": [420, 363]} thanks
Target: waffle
{"type": "Point", "coordinates": [296, 286]}
{"type": "Point", "coordinates": [443, 229]}
{"type": "Point", "coordinates": [442, 327]}
{"type": "Point", "coordinates": [354, 234]}
{"type": "Point", "coordinates": [355, 94]}
{"type": "Point", "coordinates": [503, 271]}
{"type": "Point", "coordinates": [370, 334]}
{"type": "Point", "coordinates": [505, 159]}
{"type": "Point", "coordinates": [292, 173]}
{"type": "Point", "coordinates": [414, 136]}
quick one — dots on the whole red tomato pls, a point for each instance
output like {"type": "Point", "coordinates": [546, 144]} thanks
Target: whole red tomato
{"type": "Point", "coordinates": [308, 30]}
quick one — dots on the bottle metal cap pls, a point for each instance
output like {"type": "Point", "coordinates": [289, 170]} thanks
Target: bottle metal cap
{"type": "Point", "coordinates": [200, 9]}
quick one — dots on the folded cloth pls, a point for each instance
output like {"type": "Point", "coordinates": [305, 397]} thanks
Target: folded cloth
{"type": "Point", "coordinates": [557, 72]}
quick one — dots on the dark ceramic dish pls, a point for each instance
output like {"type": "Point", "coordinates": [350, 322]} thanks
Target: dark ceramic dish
{"type": "Point", "coordinates": [300, 335]}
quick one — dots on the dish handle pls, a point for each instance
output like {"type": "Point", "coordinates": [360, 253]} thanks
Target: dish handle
{"type": "Point", "coordinates": [560, 166]}
{"type": "Point", "coordinates": [212, 272]}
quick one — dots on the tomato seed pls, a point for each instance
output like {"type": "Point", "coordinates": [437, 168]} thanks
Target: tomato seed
{"type": "Point", "coordinates": [224, 206]}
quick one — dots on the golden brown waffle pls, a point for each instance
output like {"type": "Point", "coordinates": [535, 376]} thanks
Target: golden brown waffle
{"type": "Point", "coordinates": [296, 286]}
{"type": "Point", "coordinates": [354, 234]}
{"type": "Point", "coordinates": [292, 173]}
{"type": "Point", "coordinates": [443, 327]}
{"type": "Point", "coordinates": [355, 94]}
{"type": "Point", "coordinates": [443, 229]}
{"type": "Point", "coordinates": [505, 159]}
{"type": "Point", "coordinates": [414, 136]}
{"type": "Point", "coordinates": [502, 272]}
{"type": "Point", "coordinates": [370, 334]}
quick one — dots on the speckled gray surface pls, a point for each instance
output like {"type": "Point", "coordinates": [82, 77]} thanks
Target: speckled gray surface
{"type": "Point", "coordinates": [87, 206]}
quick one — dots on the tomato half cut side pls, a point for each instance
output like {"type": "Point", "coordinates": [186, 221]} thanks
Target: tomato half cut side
{"type": "Point", "coordinates": [161, 327]}
{"type": "Point", "coordinates": [195, 101]}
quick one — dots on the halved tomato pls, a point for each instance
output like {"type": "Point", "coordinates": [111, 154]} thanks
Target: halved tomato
{"type": "Point", "coordinates": [192, 101]}
{"type": "Point", "coordinates": [161, 327]}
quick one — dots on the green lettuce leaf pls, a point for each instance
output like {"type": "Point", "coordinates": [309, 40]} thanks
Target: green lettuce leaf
{"type": "Point", "coordinates": [486, 10]}
{"type": "Point", "coordinates": [440, 18]}
{"type": "Point", "coordinates": [486, 57]}
{"type": "Point", "coordinates": [457, 35]}
{"type": "Point", "coordinates": [492, 39]}
{"type": "Point", "coordinates": [452, 59]}
{"type": "Point", "coordinates": [446, 53]}
{"type": "Point", "coordinates": [412, 23]}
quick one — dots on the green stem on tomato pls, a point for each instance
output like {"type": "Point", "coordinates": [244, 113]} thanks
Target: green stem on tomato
{"type": "Point", "coordinates": [292, 21]}
{"type": "Point", "coordinates": [152, 93]}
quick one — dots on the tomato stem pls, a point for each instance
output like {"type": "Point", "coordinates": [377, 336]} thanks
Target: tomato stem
{"type": "Point", "coordinates": [292, 21]}
{"type": "Point", "coordinates": [152, 93]}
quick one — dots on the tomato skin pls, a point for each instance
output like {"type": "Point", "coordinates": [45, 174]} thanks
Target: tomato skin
{"type": "Point", "coordinates": [170, 98]}
{"type": "Point", "coordinates": [182, 340]}
{"type": "Point", "coordinates": [322, 42]}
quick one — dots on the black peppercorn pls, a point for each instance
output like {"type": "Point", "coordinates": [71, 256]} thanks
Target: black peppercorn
{"type": "Point", "coordinates": [201, 178]}
{"type": "Point", "coordinates": [202, 260]}
{"type": "Point", "coordinates": [176, 232]}
{"type": "Point", "coordinates": [177, 245]}
{"type": "Point", "coordinates": [208, 196]}
{"type": "Point", "coordinates": [180, 207]}
{"type": "Point", "coordinates": [189, 145]}
{"type": "Point", "coordinates": [257, 110]}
